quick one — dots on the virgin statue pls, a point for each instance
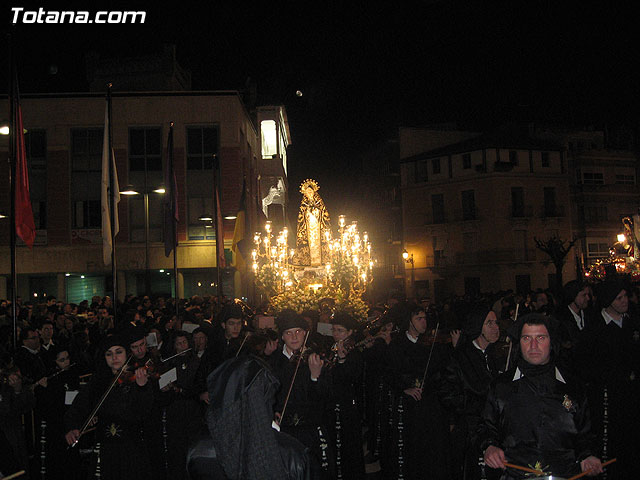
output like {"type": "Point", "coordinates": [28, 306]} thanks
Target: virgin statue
{"type": "Point", "coordinates": [314, 228]}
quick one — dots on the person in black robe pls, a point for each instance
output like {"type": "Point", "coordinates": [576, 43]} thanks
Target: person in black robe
{"type": "Point", "coordinates": [16, 399]}
{"type": "Point", "coordinates": [347, 371]}
{"type": "Point", "coordinates": [419, 448]}
{"type": "Point", "coordinates": [305, 389]}
{"type": "Point", "coordinates": [464, 387]}
{"type": "Point", "coordinates": [243, 442]}
{"type": "Point", "coordinates": [609, 357]}
{"type": "Point", "coordinates": [536, 415]}
{"type": "Point", "coordinates": [123, 453]}
{"type": "Point", "coordinates": [181, 413]}
{"type": "Point", "coordinates": [62, 385]}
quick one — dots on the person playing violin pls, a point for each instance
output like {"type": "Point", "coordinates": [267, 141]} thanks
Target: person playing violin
{"type": "Point", "coordinates": [347, 374]}
{"type": "Point", "coordinates": [121, 417]}
{"type": "Point", "coordinates": [304, 392]}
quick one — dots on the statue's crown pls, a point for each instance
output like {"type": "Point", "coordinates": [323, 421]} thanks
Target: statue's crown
{"type": "Point", "coordinates": [309, 183]}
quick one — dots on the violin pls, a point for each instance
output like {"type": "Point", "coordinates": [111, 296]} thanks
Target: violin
{"type": "Point", "coordinates": [129, 375]}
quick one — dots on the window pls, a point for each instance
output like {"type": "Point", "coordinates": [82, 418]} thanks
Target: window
{"type": "Point", "coordinates": [269, 138]}
{"type": "Point", "coordinates": [622, 179]}
{"type": "Point", "coordinates": [435, 165]}
{"type": "Point", "coordinates": [202, 145]}
{"type": "Point", "coordinates": [86, 171]}
{"type": "Point", "coordinates": [437, 205]}
{"type": "Point", "coordinates": [468, 205]}
{"type": "Point", "coordinates": [523, 284]}
{"type": "Point", "coordinates": [595, 213]}
{"type": "Point", "coordinates": [597, 249]}
{"type": "Point", "coordinates": [36, 148]}
{"type": "Point", "coordinates": [200, 229]}
{"type": "Point", "coordinates": [513, 157]}
{"type": "Point", "coordinates": [592, 178]}
{"type": "Point", "coordinates": [421, 171]}
{"type": "Point", "coordinates": [471, 285]}
{"type": "Point", "coordinates": [145, 149]}
{"type": "Point", "coordinates": [545, 159]}
{"type": "Point", "coordinates": [466, 161]}
{"type": "Point", "coordinates": [517, 202]}
{"type": "Point", "coordinates": [550, 208]}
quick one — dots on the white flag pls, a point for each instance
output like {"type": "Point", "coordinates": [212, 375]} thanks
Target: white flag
{"type": "Point", "coordinates": [107, 245]}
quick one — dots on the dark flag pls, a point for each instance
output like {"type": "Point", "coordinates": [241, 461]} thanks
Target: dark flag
{"type": "Point", "coordinates": [25, 226]}
{"type": "Point", "coordinates": [241, 243]}
{"type": "Point", "coordinates": [219, 225]}
{"type": "Point", "coordinates": [170, 200]}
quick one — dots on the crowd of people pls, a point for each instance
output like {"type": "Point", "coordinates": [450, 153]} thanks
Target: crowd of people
{"type": "Point", "coordinates": [475, 387]}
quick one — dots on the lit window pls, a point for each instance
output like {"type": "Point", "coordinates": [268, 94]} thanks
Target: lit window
{"type": "Point", "coordinates": [269, 138]}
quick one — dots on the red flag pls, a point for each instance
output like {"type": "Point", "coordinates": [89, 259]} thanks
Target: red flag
{"type": "Point", "coordinates": [25, 227]}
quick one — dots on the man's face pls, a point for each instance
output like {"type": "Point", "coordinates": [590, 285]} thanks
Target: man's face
{"type": "Point", "coordinates": [582, 299]}
{"type": "Point", "coordinates": [139, 348]}
{"type": "Point", "coordinates": [419, 322]}
{"type": "Point", "coordinates": [232, 328]}
{"type": "Point", "coordinates": [621, 303]}
{"type": "Point", "coordinates": [200, 341]}
{"type": "Point", "coordinates": [60, 320]}
{"type": "Point", "coordinates": [541, 301]}
{"type": "Point", "coordinates": [293, 338]}
{"type": "Point", "coordinates": [62, 360]}
{"type": "Point", "coordinates": [32, 341]}
{"type": "Point", "coordinates": [181, 344]}
{"type": "Point", "coordinates": [340, 333]}
{"type": "Point", "coordinates": [535, 344]}
{"type": "Point", "coordinates": [490, 328]}
{"type": "Point", "coordinates": [102, 313]}
{"type": "Point", "coordinates": [46, 332]}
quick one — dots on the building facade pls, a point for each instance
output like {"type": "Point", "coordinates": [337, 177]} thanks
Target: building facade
{"type": "Point", "coordinates": [64, 149]}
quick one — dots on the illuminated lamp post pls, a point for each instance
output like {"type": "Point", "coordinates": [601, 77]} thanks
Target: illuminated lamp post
{"type": "Point", "coordinates": [408, 258]}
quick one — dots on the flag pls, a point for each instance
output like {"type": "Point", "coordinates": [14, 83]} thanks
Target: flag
{"type": "Point", "coordinates": [25, 227]}
{"type": "Point", "coordinates": [241, 243]}
{"type": "Point", "coordinates": [108, 162]}
{"type": "Point", "coordinates": [220, 260]}
{"type": "Point", "coordinates": [170, 200]}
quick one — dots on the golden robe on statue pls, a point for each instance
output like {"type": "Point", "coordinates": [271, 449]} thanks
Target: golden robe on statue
{"type": "Point", "coordinates": [312, 244]}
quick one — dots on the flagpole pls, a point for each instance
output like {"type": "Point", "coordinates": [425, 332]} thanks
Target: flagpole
{"type": "Point", "coordinates": [112, 212]}
{"type": "Point", "coordinates": [216, 196]}
{"type": "Point", "coordinates": [12, 181]}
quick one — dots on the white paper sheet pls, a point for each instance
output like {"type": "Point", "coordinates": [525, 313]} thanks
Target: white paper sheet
{"type": "Point", "coordinates": [168, 377]}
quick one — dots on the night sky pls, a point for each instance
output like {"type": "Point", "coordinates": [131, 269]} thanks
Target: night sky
{"type": "Point", "coordinates": [364, 69]}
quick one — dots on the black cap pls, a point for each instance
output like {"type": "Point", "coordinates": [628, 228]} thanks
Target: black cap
{"type": "Point", "coordinates": [344, 319]}
{"type": "Point", "coordinates": [289, 318]}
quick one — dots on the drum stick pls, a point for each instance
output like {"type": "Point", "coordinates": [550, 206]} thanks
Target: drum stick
{"type": "Point", "coordinates": [580, 475]}
{"type": "Point", "coordinates": [524, 469]}
{"type": "Point", "coordinates": [14, 475]}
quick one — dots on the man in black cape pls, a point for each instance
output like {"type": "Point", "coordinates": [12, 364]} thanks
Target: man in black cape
{"type": "Point", "coordinates": [243, 444]}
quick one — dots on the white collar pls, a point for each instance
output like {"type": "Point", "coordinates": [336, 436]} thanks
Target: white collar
{"type": "Point", "coordinates": [608, 318]}
{"type": "Point", "coordinates": [475, 344]}
{"type": "Point", "coordinates": [285, 352]}
{"type": "Point", "coordinates": [34, 352]}
{"type": "Point", "coordinates": [518, 375]}
{"type": "Point", "coordinates": [413, 340]}
{"type": "Point", "coordinates": [575, 315]}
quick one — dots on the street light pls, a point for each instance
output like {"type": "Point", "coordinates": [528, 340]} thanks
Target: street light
{"type": "Point", "coordinates": [408, 258]}
{"type": "Point", "coordinates": [131, 191]}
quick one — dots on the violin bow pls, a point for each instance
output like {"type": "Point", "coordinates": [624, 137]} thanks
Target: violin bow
{"type": "Point", "coordinates": [176, 355]}
{"type": "Point", "coordinates": [86, 424]}
{"type": "Point", "coordinates": [435, 334]}
{"type": "Point", "coordinates": [293, 379]}
{"type": "Point", "coordinates": [246, 336]}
